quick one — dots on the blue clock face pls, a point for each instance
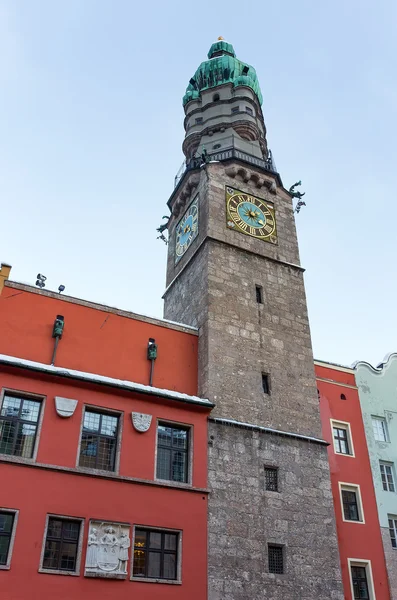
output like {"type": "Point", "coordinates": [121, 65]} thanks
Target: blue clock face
{"type": "Point", "coordinates": [250, 215]}
{"type": "Point", "coordinates": [186, 230]}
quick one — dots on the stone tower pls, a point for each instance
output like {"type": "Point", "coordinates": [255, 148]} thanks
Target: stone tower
{"type": "Point", "coordinates": [234, 272]}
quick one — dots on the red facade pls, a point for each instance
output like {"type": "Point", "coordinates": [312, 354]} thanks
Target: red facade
{"type": "Point", "coordinates": [98, 340]}
{"type": "Point", "coordinates": [359, 534]}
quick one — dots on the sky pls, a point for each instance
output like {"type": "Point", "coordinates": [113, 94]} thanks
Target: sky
{"type": "Point", "coordinates": [91, 127]}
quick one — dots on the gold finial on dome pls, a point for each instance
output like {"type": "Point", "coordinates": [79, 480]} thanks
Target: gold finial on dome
{"type": "Point", "coordinates": [220, 38]}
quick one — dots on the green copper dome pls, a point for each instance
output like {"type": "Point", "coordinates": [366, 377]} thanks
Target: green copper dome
{"type": "Point", "coordinates": [222, 67]}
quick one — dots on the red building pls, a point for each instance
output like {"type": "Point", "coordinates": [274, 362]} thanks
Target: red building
{"type": "Point", "coordinates": [359, 536]}
{"type": "Point", "coordinates": [103, 476]}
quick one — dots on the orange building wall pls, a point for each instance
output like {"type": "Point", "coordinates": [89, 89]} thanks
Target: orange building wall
{"type": "Point", "coordinates": [356, 540]}
{"type": "Point", "coordinates": [37, 491]}
{"type": "Point", "coordinates": [95, 340]}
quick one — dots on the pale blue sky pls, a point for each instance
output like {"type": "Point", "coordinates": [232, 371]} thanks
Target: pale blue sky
{"type": "Point", "coordinates": [91, 132]}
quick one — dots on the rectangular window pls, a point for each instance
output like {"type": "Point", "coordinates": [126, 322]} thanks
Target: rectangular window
{"type": "Point", "coordinates": [199, 120]}
{"type": "Point", "coordinates": [235, 109]}
{"type": "Point", "coordinates": [276, 559]}
{"type": "Point", "coordinates": [19, 419]}
{"type": "Point", "coordinates": [259, 294]}
{"type": "Point", "coordinates": [342, 438]}
{"type": "Point", "coordinates": [350, 505]}
{"type": "Point", "coordinates": [265, 383]}
{"type": "Point", "coordinates": [393, 530]}
{"type": "Point", "coordinates": [155, 554]}
{"type": "Point", "coordinates": [99, 441]}
{"type": "Point", "coordinates": [172, 452]}
{"type": "Point", "coordinates": [7, 523]}
{"type": "Point", "coordinates": [360, 583]}
{"type": "Point", "coordinates": [386, 473]}
{"type": "Point", "coordinates": [380, 429]}
{"type": "Point", "coordinates": [61, 544]}
{"type": "Point", "coordinates": [249, 110]}
{"type": "Point", "coordinates": [271, 479]}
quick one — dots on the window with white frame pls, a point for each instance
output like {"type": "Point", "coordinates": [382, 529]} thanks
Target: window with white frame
{"type": "Point", "coordinates": [8, 523]}
{"type": "Point", "coordinates": [393, 530]}
{"type": "Point", "coordinates": [342, 438]}
{"type": "Point", "coordinates": [352, 508]}
{"type": "Point", "coordinates": [386, 473]}
{"type": "Point", "coordinates": [380, 429]}
{"type": "Point", "coordinates": [361, 579]}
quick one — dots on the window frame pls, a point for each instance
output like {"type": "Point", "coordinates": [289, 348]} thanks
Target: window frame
{"type": "Point", "coordinates": [112, 413]}
{"type": "Point", "coordinates": [189, 453]}
{"type": "Point", "coordinates": [179, 532]}
{"type": "Point", "coordinates": [25, 395]}
{"type": "Point", "coordinates": [352, 487]}
{"type": "Point", "coordinates": [385, 428]}
{"type": "Point", "coordinates": [392, 518]}
{"type": "Point", "coordinates": [385, 464]}
{"type": "Point", "coordinates": [346, 426]}
{"type": "Point", "coordinates": [366, 563]}
{"type": "Point", "coordinates": [75, 573]}
{"type": "Point", "coordinates": [276, 469]}
{"type": "Point", "coordinates": [15, 513]}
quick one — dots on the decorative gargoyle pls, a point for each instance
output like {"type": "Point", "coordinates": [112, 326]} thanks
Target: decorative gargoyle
{"type": "Point", "coordinates": [162, 228]}
{"type": "Point", "coordinates": [298, 195]}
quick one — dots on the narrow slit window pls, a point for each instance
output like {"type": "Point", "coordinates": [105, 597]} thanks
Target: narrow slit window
{"type": "Point", "coordinates": [265, 383]}
{"type": "Point", "coordinates": [259, 294]}
{"type": "Point", "coordinates": [271, 479]}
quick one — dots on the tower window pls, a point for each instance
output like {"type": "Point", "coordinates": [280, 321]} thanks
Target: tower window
{"type": "Point", "coordinates": [249, 110]}
{"type": "Point", "coordinates": [266, 383]}
{"type": "Point", "coordinates": [276, 559]}
{"type": "Point", "coordinates": [216, 146]}
{"type": "Point", "coordinates": [199, 120]}
{"type": "Point", "coordinates": [215, 98]}
{"type": "Point", "coordinates": [235, 109]}
{"type": "Point", "coordinates": [259, 294]}
{"type": "Point", "coordinates": [342, 397]}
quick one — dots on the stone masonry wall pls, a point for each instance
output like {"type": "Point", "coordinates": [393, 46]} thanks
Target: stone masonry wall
{"type": "Point", "coordinates": [391, 562]}
{"type": "Point", "coordinates": [244, 518]}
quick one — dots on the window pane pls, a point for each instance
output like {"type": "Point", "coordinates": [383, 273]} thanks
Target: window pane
{"type": "Point", "coordinates": [169, 569]}
{"type": "Point", "coordinates": [109, 425]}
{"type": "Point", "coordinates": [54, 529]}
{"type": "Point", "coordinates": [164, 435]}
{"type": "Point", "coordinates": [155, 539]}
{"type": "Point", "coordinates": [70, 530]}
{"type": "Point", "coordinates": [4, 545]}
{"type": "Point", "coordinates": [140, 538]}
{"type": "Point", "coordinates": [6, 521]}
{"type": "Point", "coordinates": [139, 563]}
{"type": "Point", "coordinates": [170, 541]}
{"type": "Point", "coordinates": [154, 564]}
{"type": "Point", "coordinates": [106, 453]}
{"type": "Point", "coordinates": [25, 440]}
{"type": "Point", "coordinates": [163, 463]}
{"type": "Point", "coordinates": [8, 431]}
{"type": "Point", "coordinates": [51, 554]}
{"type": "Point", "coordinates": [10, 407]}
{"type": "Point", "coordinates": [91, 421]}
{"type": "Point", "coordinates": [68, 556]}
{"type": "Point", "coordinates": [179, 438]}
{"type": "Point", "coordinates": [88, 451]}
{"type": "Point", "coordinates": [179, 466]}
{"type": "Point", "coordinates": [30, 410]}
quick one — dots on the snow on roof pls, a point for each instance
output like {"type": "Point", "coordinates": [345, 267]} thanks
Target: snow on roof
{"type": "Point", "coordinates": [103, 380]}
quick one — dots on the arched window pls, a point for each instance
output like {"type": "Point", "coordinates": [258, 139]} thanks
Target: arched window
{"type": "Point", "coordinates": [342, 397]}
{"type": "Point", "coordinates": [215, 98]}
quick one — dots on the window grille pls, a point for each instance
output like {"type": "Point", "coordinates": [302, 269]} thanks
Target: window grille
{"type": "Point", "coordinates": [276, 559]}
{"type": "Point", "coordinates": [360, 584]}
{"type": "Point", "coordinates": [271, 479]}
{"type": "Point", "coordinates": [172, 452]}
{"type": "Point", "coordinates": [98, 441]}
{"type": "Point", "coordinates": [18, 425]}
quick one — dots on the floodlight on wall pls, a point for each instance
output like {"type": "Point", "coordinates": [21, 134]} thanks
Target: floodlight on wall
{"type": "Point", "coordinates": [40, 280]}
{"type": "Point", "coordinates": [61, 289]}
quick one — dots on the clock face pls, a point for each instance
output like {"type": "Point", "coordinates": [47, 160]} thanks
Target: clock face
{"type": "Point", "coordinates": [186, 230]}
{"type": "Point", "coordinates": [250, 215]}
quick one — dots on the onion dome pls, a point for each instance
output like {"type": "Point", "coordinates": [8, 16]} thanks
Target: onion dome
{"type": "Point", "coordinates": [222, 67]}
